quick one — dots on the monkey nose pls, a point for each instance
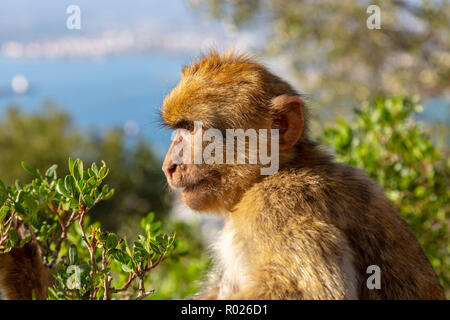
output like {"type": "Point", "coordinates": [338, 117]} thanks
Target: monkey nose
{"type": "Point", "coordinates": [172, 169]}
{"type": "Point", "coordinates": [169, 169]}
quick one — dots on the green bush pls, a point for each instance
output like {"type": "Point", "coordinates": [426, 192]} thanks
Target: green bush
{"type": "Point", "coordinates": [181, 276]}
{"type": "Point", "coordinates": [49, 136]}
{"type": "Point", "coordinates": [54, 211]}
{"type": "Point", "coordinates": [392, 148]}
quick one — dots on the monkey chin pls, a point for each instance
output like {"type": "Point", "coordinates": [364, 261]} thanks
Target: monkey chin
{"type": "Point", "coordinates": [199, 200]}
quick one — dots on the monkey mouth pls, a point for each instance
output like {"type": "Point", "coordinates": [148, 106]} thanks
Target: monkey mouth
{"type": "Point", "coordinates": [194, 186]}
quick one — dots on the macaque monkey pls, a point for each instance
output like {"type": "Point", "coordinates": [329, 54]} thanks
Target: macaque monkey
{"type": "Point", "coordinates": [310, 230]}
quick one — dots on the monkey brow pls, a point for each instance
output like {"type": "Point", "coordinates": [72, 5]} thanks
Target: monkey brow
{"type": "Point", "coordinates": [184, 124]}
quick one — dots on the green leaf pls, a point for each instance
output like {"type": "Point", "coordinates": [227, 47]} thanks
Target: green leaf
{"type": "Point", "coordinates": [18, 185]}
{"type": "Point", "coordinates": [73, 254]}
{"type": "Point", "coordinates": [2, 186]}
{"type": "Point", "coordinates": [7, 249]}
{"type": "Point", "coordinates": [111, 241]}
{"type": "Point", "coordinates": [127, 247]}
{"type": "Point", "coordinates": [69, 184]}
{"type": "Point", "coordinates": [77, 170]}
{"type": "Point", "coordinates": [162, 239]}
{"type": "Point", "coordinates": [91, 182]}
{"type": "Point", "coordinates": [71, 164]}
{"type": "Point", "coordinates": [80, 168]}
{"type": "Point", "coordinates": [155, 247]}
{"type": "Point", "coordinates": [60, 188]}
{"type": "Point", "coordinates": [147, 220]}
{"type": "Point", "coordinates": [142, 239]}
{"type": "Point", "coordinates": [103, 172]}
{"type": "Point", "coordinates": [29, 201]}
{"type": "Point", "coordinates": [74, 203]}
{"type": "Point", "coordinates": [51, 172]}
{"type": "Point", "coordinates": [29, 169]}
{"type": "Point", "coordinates": [100, 293]}
{"type": "Point", "coordinates": [155, 227]}
{"type": "Point", "coordinates": [3, 212]}
{"type": "Point", "coordinates": [94, 168]}
{"type": "Point", "coordinates": [85, 268]}
{"type": "Point", "coordinates": [66, 205]}
{"type": "Point", "coordinates": [139, 250]}
{"type": "Point", "coordinates": [127, 268]}
{"type": "Point", "coordinates": [108, 195]}
{"type": "Point", "coordinates": [13, 237]}
{"type": "Point", "coordinates": [103, 236]}
{"type": "Point", "coordinates": [88, 200]}
{"type": "Point", "coordinates": [81, 185]}
{"type": "Point", "coordinates": [105, 189]}
{"type": "Point", "coordinates": [96, 194]}
{"type": "Point", "coordinates": [120, 256]}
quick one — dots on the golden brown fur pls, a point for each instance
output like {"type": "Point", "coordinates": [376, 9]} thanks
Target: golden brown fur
{"type": "Point", "coordinates": [307, 232]}
{"type": "Point", "coordinates": [22, 274]}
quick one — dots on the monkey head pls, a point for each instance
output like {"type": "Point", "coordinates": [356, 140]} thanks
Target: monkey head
{"type": "Point", "coordinates": [219, 93]}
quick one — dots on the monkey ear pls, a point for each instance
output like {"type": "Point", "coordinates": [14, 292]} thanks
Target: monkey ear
{"type": "Point", "coordinates": [287, 117]}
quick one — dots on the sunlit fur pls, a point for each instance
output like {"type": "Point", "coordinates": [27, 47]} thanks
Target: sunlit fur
{"type": "Point", "coordinates": [307, 232]}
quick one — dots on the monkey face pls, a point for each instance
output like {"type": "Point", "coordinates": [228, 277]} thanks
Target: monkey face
{"type": "Point", "coordinates": [198, 182]}
{"type": "Point", "coordinates": [225, 94]}
{"type": "Point", "coordinates": [206, 184]}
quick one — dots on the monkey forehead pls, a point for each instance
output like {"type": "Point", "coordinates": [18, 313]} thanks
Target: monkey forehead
{"type": "Point", "coordinates": [217, 87]}
{"type": "Point", "coordinates": [204, 100]}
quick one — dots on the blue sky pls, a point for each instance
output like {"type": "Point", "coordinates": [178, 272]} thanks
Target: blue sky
{"type": "Point", "coordinates": [27, 20]}
{"type": "Point", "coordinates": [152, 25]}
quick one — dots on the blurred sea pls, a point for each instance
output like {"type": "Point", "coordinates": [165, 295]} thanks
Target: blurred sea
{"type": "Point", "coordinates": [115, 90]}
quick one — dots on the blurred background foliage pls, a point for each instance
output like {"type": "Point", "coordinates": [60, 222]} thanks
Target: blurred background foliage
{"type": "Point", "coordinates": [336, 58]}
{"type": "Point", "coordinates": [393, 149]}
{"type": "Point", "coordinates": [341, 67]}
{"type": "Point", "coordinates": [337, 62]}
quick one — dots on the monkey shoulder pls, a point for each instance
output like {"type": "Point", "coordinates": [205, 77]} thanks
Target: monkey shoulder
{"type": "Point", "coordinates": [322, 192]}
{"type": "Point", "coordinates": [333, 197]}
